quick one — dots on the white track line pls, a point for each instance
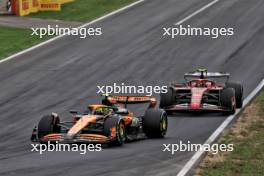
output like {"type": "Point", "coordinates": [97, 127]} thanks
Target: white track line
{"type": "Point", "coordinates": [197, 12]}
{"type": "Point", "coordinates": [188, 166]}
{"type": "Point", "coordinates": [60, 36]}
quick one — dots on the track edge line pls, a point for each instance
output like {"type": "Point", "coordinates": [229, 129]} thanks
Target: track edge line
{"type": "Point", "coordinates": [60, 36]}
{"type": "Point", "coordinates": [197, 155]}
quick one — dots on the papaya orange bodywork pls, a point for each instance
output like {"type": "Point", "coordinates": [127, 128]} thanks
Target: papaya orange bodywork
{"type": "Point", "coordinates": [82, 123]}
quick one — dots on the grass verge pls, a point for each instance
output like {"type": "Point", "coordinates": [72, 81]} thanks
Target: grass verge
{"type": "Point", "coordinates": [13, 40]}
{"type": "Point", "coordinates": [84, 10]}
{"type": "Point", "coordinates": [247, 135]}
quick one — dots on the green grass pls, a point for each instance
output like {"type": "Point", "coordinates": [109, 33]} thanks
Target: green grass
{"type": "Point", "coordinates": [13, 40]}
{"type": "Point", "coordinates": [83, 10]}
{"type": "Point", "coordinates": [247, 159]}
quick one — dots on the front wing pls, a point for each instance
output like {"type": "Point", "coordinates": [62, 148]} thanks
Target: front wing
{"type": "Point", "coordinates": [79, 138]}
{"type": "Point", "coordinates": [204, 107]}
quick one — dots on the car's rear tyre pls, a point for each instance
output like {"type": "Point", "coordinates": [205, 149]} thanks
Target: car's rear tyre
{"type": "Point", "coordinates": [155, 123]}
{"type": "Point", "coordinates": [227, 99]}
{"type": "Point", "coordinates": [120, 130]}
{"type": "Point", "coordinates": [238, 92]}
{"type": "Point", "coordinates": [48, 125]}
{"type": "Point", "coordinates": [166, 99]}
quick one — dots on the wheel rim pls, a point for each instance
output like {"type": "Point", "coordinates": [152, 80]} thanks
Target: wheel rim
{"type": "Point", "coordinates": [121, 132]}
{"type": "Point", "coordinates": [234, 102]}
{"type": "Point", "coordinates": [163, 125]}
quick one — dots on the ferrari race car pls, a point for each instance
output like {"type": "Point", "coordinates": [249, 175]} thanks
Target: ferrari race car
{"type": "Point", "coordinates": [201, 92]}
{"type": "Point", "coordinates": [110, 122]}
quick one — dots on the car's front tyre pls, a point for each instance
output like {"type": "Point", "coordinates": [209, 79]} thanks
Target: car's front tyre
{"type": "Point", "coordinates": [238, 92]}
{"type": "Point", "coordinates": [115, 124]}
{"type": "Point", "coordinates": [47, 125]}
{"type": "Point", "coordinates": [228, 101]}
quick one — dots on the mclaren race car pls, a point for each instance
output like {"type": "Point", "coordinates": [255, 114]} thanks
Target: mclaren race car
{"type": "Point", "coordinates": [110, 122]}
{"type": "Point", "coordinates": [203, 91]}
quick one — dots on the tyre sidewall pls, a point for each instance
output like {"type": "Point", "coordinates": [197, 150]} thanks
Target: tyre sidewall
{"type": "Point", "coordinates": [155, 123]}
{"type": "Point", "coordinates": [47, 125]}
{"type": "Point", "coordinates": [238, 92]}
{"type": "Point", "coordinates": [117, 122]}
{"type": "Point", "coordinates": [166, 99]}
{"type": "Point", "coordinates": [227, 99]}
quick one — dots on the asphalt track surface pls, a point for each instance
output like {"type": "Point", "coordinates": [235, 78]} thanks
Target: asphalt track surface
{"type": "Point", "coordinates": [63, 75]}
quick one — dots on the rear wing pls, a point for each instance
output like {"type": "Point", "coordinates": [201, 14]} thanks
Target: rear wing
{"type": "Point", "coordinates": [205, 75]}
{"type": "Point", "coordinates": [109, 99]}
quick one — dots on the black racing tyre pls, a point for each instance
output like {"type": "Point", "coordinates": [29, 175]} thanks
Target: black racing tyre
{"type": "Point", "coordinates": [115, 122]}
{"type": "Point", "coordinates": [166, 99]}
{"type": "Point", "coordinates": [155, 123]}
{"type": "Point", "coordinates": [48, 125]}
{"type": "Point", "coordinates": [238, 91]}
{"type": "Point", "coordinates": [227, 99]}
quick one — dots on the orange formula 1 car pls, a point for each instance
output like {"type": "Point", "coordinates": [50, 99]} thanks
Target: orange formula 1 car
{"type": "Point", "coordinates": [111, 122]}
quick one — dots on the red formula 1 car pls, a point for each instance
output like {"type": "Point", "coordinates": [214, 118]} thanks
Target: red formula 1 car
{"type": "Point", "coordinates": [110, 122]}
{"type": "Point", "coordinates": [201, 92]}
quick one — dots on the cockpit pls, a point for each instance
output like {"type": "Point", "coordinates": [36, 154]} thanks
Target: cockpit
{"type": "Point", "coordinates": [100, 110]}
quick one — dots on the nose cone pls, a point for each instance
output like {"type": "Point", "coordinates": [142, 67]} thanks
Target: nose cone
{"type": "Point", "coordinates": [195, 106]}
{"type": "Point", "coordinates": [197, 95]}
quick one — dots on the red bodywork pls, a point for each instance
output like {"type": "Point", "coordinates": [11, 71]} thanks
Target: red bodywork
{"type": "Point", "coordinates": [197, 89]}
